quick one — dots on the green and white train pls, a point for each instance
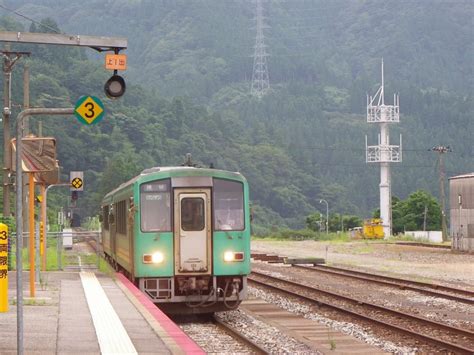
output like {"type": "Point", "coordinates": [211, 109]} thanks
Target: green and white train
{"type": "Point", "coordinates": [182, 235]}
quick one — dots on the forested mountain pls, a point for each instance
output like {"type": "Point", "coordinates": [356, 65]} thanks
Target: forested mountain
{"type": "Point", "coordinates": [188, 91]}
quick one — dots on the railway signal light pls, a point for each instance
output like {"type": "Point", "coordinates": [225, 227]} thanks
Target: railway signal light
{"type": "Point", "coordinates": [74, 195]}
{"type": "Point", "coordinates": [115, 87]}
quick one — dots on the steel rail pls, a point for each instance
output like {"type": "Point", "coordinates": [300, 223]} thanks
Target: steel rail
{"type": "Point", "coordinates": [445, 344]}
{"type": "Point", "coordinates": [395, 282]}
{"type": "Point", "coordinates": [234, 333]}
{"type": "Point", "coordinates": [418, 244]}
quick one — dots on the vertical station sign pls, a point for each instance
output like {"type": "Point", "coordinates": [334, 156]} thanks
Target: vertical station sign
{"type": "Point", "coordinates": [3, 267]}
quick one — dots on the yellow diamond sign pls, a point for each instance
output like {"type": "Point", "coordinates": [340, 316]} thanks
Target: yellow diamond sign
{"type": "Point", "coordinates": [76, 183]}
{"type": "Point", "coordinates": [89, 110]}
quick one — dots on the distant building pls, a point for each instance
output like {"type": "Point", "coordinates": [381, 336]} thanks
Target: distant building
{"type": "Point", "coordinates": [461, 211]}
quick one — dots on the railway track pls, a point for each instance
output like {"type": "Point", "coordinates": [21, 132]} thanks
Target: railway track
{"type": "Point", "coordinates": [216, 336]}
{"type": "Point", "coordinates": [256, 349]}
{"type": "Point", "coordinates": [426, 245]}
{"type": "Point", "coordinates": [456, 294]}
{"type": "Point", "coordinates": [437, 334]}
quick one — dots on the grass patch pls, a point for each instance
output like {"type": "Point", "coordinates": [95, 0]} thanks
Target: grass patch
{"type": "Point", "coordinates": [105, 267]}
{"type": "Point", "coordinates": [304, 234]}
{"type": "Point", "coordinates": [29, 302]}
{"type": "Point", "coordinates": [363, 249]}
{"type": "Point", "coordinates": [51, 256]}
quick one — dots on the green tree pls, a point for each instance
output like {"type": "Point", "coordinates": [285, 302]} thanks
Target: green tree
{"type": "Point", "coordinates": [418, 209]}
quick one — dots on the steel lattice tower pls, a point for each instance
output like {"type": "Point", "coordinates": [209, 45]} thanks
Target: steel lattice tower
{"type": "Point", "coordinates": [260, 80]}
{"type": "Point", "coordinates": [384, 153]}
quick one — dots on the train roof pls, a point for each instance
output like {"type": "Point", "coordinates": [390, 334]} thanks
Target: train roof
{"type": "Point", "coordinates": [178, 171]}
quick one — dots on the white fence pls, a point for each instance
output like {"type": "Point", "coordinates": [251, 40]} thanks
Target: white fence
{"type": "Point", "coordinates": [432, 236]}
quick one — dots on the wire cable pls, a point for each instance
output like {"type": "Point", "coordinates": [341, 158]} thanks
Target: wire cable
{"type": "Point", "coordinates": [29, 19]}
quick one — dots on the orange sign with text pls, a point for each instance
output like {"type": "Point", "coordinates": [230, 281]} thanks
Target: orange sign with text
{"type": "Point", "coordinates": [116, 61]}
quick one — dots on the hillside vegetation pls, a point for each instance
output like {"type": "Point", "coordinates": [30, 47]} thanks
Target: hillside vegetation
{"type": "Point", "coordinates": [188, 91]}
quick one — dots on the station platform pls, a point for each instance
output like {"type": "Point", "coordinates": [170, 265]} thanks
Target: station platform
{"type": "Point", "coordinates": [89, 313]}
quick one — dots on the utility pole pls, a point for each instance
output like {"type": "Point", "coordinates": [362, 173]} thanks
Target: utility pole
{"type": "Point", "coordinates": [9, 60]}
{"type": "Point", "coordinates": [26, 130]}
{"type": "Point", "coordinates": [441, 149]}
{"type": "Point", "coordinates": [260, 80]}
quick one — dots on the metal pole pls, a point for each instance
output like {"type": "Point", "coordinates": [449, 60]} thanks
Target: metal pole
{"type": "Point", "coordinates": [6, 132]}
{"type": "Point", "coordinates": [26, 94]}
{"type": "Point", "coordinates": [44, 207]}
{"type": "Point", "coordinates": [43, 219]}
{"type": "Point", "coordinates": [37, 252]}
{"type": "Point", "coordinates": [424, 218]}
{"type": "Point", "coordinates": [327, 214]}
{"type": "Point", "coordinates": [19, 240]}
{"type": "Point", "coordinates": [9, 60]}
{"type": "Point", "coordinates": [19, 210]}
{"type": "Point", "coordinates": [97, 250]}
{"type": "Point", "coordinates": [460, 220]}
{"type": "Point", "coordinates": [444, 232]}
{"type": "Point", "coordinates": [26, 130]}
{"type": "Point", "coordinates": [32, 232]}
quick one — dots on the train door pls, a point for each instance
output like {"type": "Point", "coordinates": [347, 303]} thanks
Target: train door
{"type": "Point", "coordinates": [192, 221]}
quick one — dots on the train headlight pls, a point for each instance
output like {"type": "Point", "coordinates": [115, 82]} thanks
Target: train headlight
{"type": "Point", "coordinates": [233, 256]}
{"type": "Point", "coordinates": [229, 256]}
{"type": "Point", "coordinates": [157, 258]}
{"type": "Point", "coordinates": [154, 258]}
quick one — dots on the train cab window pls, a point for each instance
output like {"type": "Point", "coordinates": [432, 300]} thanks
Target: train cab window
{"type": "Point", "coordinates": [228, 205]}
{"type": "Point", "coordinates": [155, 206]}
{"type": "Point", "coordinates": [192, 214]}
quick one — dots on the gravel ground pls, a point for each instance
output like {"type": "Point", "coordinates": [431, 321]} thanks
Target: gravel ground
{"type": "Point", "coordinates": [344, 327]}
{"type": "Point", "coordinates": [417, 263]}
{"type": "Point", "coordinates": [439, 309]}
{"type": "Point", "coordinates": [265, 335]}
{"type": "Point", "coordinates": [217, 342]}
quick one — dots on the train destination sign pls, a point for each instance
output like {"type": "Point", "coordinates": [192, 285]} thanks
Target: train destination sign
{"type": "Point", "coordinates": [89, 110]}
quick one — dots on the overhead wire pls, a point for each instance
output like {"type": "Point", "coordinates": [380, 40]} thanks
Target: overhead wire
{"type": "Point", "coordinates": [29, 19]}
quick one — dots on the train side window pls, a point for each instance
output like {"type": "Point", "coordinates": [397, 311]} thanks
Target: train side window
{"type": "Point", "coordinates": [193, 217]}
{"type": "Point", "coordinates": [121, 220]}
{"type": "Point", "coordinates": [155, 206]}
{"type": "Point", "coordinates": [105, 217]}
{"type": "Point", "coordinates": [228, 205]}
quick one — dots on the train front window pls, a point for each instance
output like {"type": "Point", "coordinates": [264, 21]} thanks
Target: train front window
{"type": "Point", "coordinates": [228, 205]}
{"type": "Point", "coordinates": [192, 214]}
{"type": "Point", "coordinates": [155, 206]}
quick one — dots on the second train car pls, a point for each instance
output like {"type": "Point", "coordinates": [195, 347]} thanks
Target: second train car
{"type": "Point", "coordinates": [182, 235]}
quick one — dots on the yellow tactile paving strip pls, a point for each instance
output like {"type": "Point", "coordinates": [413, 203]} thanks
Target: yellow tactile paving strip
{"type": "Point", "coordinates": [112, 336]}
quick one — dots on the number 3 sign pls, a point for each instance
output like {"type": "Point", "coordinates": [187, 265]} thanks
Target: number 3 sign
{"type": "Point", "coordinates": [89, 110]}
